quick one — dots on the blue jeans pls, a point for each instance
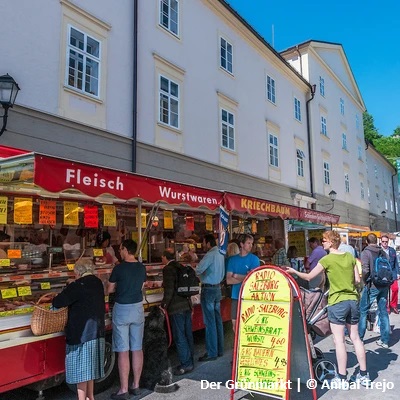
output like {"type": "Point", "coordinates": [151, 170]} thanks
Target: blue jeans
{"type": "Point", "coordinates": [381, 296]}
{"type": "Point", "coordinates": [183, 337]}
{"type": "Point", "coordinates": [211, 307]}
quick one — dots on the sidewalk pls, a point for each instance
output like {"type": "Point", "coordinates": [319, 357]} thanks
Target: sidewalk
{"type": "Point", "coordinates": [382, 364]}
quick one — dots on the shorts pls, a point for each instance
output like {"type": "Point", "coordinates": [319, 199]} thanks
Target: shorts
{"type": "Point", "coordinates": [345, 312]}
{"type": "Point", "coordinates": [234, 307]}
{"type": "Point", "coordinates": [128, 327]}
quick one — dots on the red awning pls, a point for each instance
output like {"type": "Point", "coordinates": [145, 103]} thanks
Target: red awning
{"type": "Point", "coordinates": [6, 151]}
{"type": "Point", "coordinates": [255, 206]}
{"type": "Point", "coordinates": [317, 217]}
{"type": "Point", "coordinates": [57, 175]}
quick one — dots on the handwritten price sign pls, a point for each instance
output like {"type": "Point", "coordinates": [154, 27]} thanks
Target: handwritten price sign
{"type": "Point", "coordinates": [263, 345]}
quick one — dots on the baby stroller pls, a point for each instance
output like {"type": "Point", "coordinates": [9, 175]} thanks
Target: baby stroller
{"type": "Point", "coordinates": [315, 305]}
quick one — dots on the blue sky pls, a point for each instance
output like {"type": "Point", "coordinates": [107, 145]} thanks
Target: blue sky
{"type": "Point", "coordinates": [369, 32]}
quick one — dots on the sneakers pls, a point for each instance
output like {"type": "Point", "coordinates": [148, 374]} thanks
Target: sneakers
{"type": "Point", "coordinates": [381, 344]}
{"type": "Point", "coordinates": [338, 383]}
{"type": "Point", "coordinates": [363, 380]}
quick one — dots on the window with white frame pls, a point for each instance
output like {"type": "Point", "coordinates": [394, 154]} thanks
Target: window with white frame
{"type": "Point", "coordinates": [362, 191]}
{"type": "Point", "coordinates": [386, 205]}
{"type": "Point", "coordinates": [227, 130]}
{"type": "Point", "coordinates": [395, 206]}
{"type": "Point", "coordinates": [357, 122]}
{"type": "Point", "coordinates": [83, 62]}
{"type": "Point", "coordinates": [270, 89]}
{"type": "Point", "coordinates": [226, 60]}
{"type": "Point", "coordinates": [376, 171]}
{"type": "Point", "coordinates": [359, 152]}
{"type": "Point", "coordinates": [346, 183]}
{"type": "Point", "coordinates": [327, 176]}
{"type": "Point", "coordinates": [322, 86]}
{"type": "Point", "coordinates": [391, 205]}
{"type": "Point", "coordinates": [297, 109]}
{"type": "Point", "coordinates": [273, 150]}
{"type": "Point", "coordinates": [169, 102]}
{"type": "Point", "coordinates": [169, 15]}
{"type": "Point", "coordinates": [342, 106]}
{"type": "Point", "coordinates": [344, 141]}
{"type": "Point", "coordinates": [300, 162]}
{"type": "Point", "coordinates": [323, 126]}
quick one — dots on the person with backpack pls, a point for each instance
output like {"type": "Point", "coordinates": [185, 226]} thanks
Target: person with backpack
{"type": "Point", "coordinates": [377, 275]}
{"type": "Point", "coordinates": [179, 309]}
{"type": "Point", "coordinates": [394, 288]}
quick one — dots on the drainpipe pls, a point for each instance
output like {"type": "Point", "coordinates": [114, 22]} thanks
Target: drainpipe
{"type": "Point", "coordinates": [394, 199]}
{"type": "Point", "coordinates": [313, 88]}
{"type": "Point", "coordinates": [135, 80]}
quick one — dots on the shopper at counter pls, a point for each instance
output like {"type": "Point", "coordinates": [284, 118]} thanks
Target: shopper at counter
{"type": "Point", "coordinates": [179, 311]}
{"type": "Point", "coordinates": [211, 271]}
{"type": "Point", "coordinates": [127, 280]}
{"type": "Point", "coordinates": [84, 360]}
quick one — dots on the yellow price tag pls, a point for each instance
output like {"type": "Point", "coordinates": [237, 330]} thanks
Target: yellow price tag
{"type": "Point", "coordinates": [24, 291]}
{"type": "Point", "coordinates": [5, 262]}
{"type": "Point", "coordinates": [8, 293]}
{"type": "Point", "coordinates": [70, 267]}
{"type": "Point", "coordinates": [98, 252]}
{"type": "Point", "coordinates": [45, 285]}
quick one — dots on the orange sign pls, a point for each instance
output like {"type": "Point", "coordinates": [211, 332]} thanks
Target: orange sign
{"type": "Point", "coordinates": [14, 253]}
{"type": "Point", "coordinates": [47, 212]}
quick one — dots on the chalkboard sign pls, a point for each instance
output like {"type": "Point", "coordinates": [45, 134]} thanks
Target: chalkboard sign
{"type": "Point", "coordinates": [262, 356]}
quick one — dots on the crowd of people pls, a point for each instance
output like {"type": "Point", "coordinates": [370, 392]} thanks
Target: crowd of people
{"type": "Point", "coordinates": [331, 263]}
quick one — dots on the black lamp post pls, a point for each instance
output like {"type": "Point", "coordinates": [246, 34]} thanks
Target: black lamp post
{"type": "Point", "coordinates": [8, 93]}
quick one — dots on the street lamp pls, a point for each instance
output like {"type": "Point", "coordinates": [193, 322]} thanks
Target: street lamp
{"type": "Point", "coordinates": [332, 195]}
{"type": "Point", "coordinates": [8, 93]}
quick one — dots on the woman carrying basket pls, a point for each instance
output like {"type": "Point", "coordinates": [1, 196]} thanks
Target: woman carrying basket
{"type": "Point", "coordinates": [84, 360]}
{"type": "Point", "coordinates": [343, 305]}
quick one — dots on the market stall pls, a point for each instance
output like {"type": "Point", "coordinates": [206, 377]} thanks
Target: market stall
{"type": "Point", "coordinates": [51, 212]}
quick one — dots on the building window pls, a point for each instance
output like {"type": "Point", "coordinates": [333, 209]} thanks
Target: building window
{"type": "Point", "coordinates": [226, 56]}
{"type": "Point", "coordinates": [377, 197]}
{"type": "Point", "coordinates": [369, 195]}
{"type": "Point", "coordinates": [273, 150]}
{"type": "Point", "coordinates": [346, 183]}
{"type": "Point", "coordinates": [297, 109]}
{"type": "Point", "coordinates": [395, 206]}
{"type": "Point", "coordinates": [227, 130]}
{"type": "Point", "coordinates": [342, 106]}
{"type": "Point", "coordinates": [327, 177]}
{"type": "Point", "coordinates": [322, 86]}
{"type": "Point", "coordinates": [362, 192]}
{"type": "Point", "coordinates": [83, 62]}
{"type": "Point", "coordinates": [386, 205]}
{"type": "Point", "coordinates": [300, 162]}
{"type": "Point", "coordinates": [270, 89]}
{"type": "Point", "coordinates": [357, 122]}
{"type": "Point", "coordinates": [376, 171]}
{"type": "Point", "coordinates": [391, 205]}
{"type": "Point", "coordinates": [323, 126]}
{"type": "Point", "coordinates": [344, 141]}
{"type": "Point", "coordinates": [359, 153]}
{"type": "Point", "coordinates": [169, 15]}
{"type": "Point", "coordinates": [169, 102]}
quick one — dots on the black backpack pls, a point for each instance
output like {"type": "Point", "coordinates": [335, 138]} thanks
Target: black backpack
{"type": "Point", "coordinates": [381, 271]}
{"type": "Point", "coordinates": [187, 283]}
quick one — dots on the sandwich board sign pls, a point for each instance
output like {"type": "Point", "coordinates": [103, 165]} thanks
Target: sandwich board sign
{"type": "Point", "coordinates": [269, 358]}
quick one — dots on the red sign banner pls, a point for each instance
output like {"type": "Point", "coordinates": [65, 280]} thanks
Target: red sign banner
{"type": "Point", "coordinates": [318, 217]}
{"type": "Point", "coordinates": [255, 206]}
{"type": "Point", "coordinates": [56, 175]}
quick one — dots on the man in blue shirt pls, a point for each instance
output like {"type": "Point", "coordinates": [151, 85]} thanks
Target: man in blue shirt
{"type": "Point", "coordinates": [211, 271]}
{"type": "Point", "coordinates": [238, 267]}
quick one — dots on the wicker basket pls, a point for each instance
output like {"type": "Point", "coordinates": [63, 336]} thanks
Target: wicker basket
{"type": "Point", "coordinates": [45, 321]}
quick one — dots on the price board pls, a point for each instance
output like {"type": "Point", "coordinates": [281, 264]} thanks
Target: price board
{"type": "Point", "coordinates": [24, 291]}
{"type": "Point", "coordinates": [45, 285]}
{"type": "Point", "coordinates": [5, 262]}
{"type": "Point", "coordinates": [263, 326]}
{"type": "Point", "coordinates": [298, 239]}
{"type": "Point", "coordinates": [98, 253]}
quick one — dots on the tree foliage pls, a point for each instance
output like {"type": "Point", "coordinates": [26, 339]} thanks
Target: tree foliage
{"type": "Point", "coordinates": [389, 146]}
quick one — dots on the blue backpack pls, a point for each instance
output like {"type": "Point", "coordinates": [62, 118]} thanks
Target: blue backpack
{"type": "Point", "coordinates": [381, 272]}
